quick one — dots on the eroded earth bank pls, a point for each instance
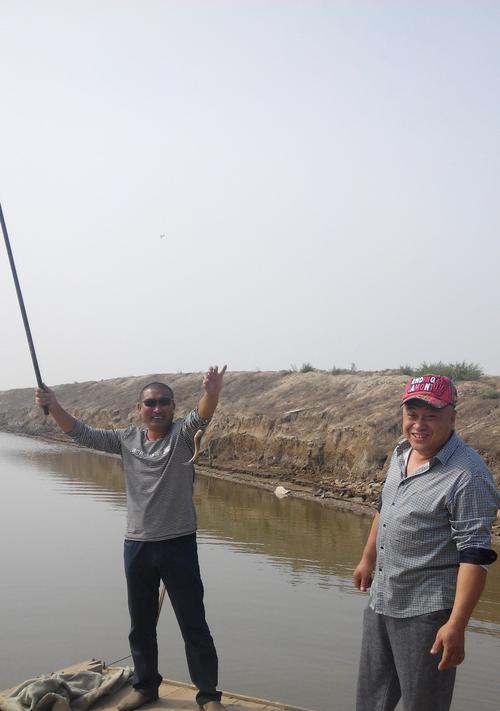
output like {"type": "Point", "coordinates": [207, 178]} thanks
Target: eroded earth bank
{"type": "Point", "coordinates": [319, 435]}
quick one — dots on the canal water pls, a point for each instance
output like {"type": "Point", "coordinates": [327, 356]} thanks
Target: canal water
{"type": "Point", "coordinates": [277, 573]}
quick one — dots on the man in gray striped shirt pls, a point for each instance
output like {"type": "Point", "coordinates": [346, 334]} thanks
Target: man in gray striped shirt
{"type": "Point", "coordinates": [426, 557]}
{"type": "Point", "coordinates": [160, 541]}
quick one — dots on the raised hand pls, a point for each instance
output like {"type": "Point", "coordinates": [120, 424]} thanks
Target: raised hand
{"type": "Point", "coordinates": [45, 397]}
{"type": "Point", "coordinates": [212, 382]}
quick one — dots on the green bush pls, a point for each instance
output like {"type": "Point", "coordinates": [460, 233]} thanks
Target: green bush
{"type": "Point", "coordinates": [338, 371]}
{"type": "Point", "coordinates": [406, 370]}
{"type": "Point", "coordinates": [307, 368]}
{"type": "Point", "coordinates": [455, 371]}
{"type": "Point", "coordinates": [490, 394]}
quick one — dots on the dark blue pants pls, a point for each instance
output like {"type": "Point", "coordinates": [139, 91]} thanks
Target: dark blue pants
{"type": "Point", "coordinates": [175, 561]}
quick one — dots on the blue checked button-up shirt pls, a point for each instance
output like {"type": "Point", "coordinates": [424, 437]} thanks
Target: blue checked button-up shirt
{"type": "Point", "coordinates": [426, 519]}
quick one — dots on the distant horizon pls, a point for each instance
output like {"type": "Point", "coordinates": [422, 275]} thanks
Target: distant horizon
{"type": "Point", "coordinates": [289, 370]}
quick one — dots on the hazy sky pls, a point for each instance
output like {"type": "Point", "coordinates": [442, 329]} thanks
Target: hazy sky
{"type": "Point", "coordinates": [326, 174]}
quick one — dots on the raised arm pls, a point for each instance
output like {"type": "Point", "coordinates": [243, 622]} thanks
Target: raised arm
{"type": "Point", "coordinates": [212, 383]}
{"type": "Point", "coordinates": [47, 397]}
{"type": "Point", "coordinates": [105, 440]}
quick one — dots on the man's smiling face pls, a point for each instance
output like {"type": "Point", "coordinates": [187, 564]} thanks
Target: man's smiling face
{"type": "Point", "coordinates": [156, 411]}
{"type": "Point", "coordinates": [427, 428]}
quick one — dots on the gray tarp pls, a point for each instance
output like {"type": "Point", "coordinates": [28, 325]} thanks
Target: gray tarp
{"type": "Point", "coordinates": [64, 691]}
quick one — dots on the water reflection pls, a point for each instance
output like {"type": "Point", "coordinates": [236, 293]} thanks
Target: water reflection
{"type": "Point", "coordinates": [81, 472]}
{"type": "Point", "coordinates": [277, 572]}
{"type": "Point", "coordinates": [300, 535]}
{"type": "Point", "coordinates": [303, 535]}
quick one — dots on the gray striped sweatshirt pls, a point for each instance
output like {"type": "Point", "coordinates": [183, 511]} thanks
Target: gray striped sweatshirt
{"type": "Point", "coordinates": [159, 484]}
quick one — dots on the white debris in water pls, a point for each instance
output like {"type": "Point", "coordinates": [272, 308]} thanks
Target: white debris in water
{"type": "Point", "coordinates": [281, 492]}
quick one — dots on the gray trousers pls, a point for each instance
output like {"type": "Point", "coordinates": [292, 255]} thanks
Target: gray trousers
{"type": "Point", "coordinates": [395, 662]}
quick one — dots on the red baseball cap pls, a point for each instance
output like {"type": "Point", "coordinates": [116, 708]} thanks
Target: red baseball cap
{"type": "Point", "coordinates": [436, 390]}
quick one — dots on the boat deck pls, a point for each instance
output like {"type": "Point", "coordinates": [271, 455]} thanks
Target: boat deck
{"type": "Point", "coordinates": [174, 695]}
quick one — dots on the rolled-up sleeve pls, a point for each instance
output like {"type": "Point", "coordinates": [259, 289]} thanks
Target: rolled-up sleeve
{"type": "Point", "coordinates": [473, 510]}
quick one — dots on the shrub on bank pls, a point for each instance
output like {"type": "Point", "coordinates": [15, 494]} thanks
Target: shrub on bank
{"type": "Point", "coordinates": [455, 371]}
{"type": "Point", "coordinates": [491, 394]}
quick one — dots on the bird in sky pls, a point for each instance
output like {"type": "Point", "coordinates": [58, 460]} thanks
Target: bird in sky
{"type": "Point", "coordinates": [163, 236]}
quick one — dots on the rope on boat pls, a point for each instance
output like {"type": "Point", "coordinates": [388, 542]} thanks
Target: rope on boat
{"type": "Point", "coordinates": [161, 598]}
{"type": "Point", "coordinates": [112, 664]}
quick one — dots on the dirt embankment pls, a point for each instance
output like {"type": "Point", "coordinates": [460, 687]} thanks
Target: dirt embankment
{"type": "Point", "coordinates": [327, 436]}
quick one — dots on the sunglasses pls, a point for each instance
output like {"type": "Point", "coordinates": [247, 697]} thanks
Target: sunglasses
{"type": "Point", "coordinates": [153, 402]}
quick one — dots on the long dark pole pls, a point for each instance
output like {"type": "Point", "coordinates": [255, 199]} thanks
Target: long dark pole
{"type": "Point", "coordinates": [21, 306]}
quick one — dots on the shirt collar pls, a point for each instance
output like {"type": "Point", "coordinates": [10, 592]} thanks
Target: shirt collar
{"type": "Point", "coordinates": [448, 448]}
{"type": "Point", "coordinates": [402, 446]}
{"type": "Point", "coordinates": [444, 453]}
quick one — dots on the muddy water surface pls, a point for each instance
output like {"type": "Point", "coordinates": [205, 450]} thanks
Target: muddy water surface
{"type": "Point", "coordinates": [280, 603]}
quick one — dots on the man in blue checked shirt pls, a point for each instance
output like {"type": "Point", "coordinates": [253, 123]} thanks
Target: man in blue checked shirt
{"type": "Point", "coordinates": [426, 557]}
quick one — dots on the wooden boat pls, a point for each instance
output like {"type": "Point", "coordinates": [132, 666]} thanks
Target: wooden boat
{"type": "Point", "coordinates": [173, 695]}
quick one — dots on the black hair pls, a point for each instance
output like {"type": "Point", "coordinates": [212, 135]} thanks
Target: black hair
{"type": "Point", "coordinates": [157, 386]}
